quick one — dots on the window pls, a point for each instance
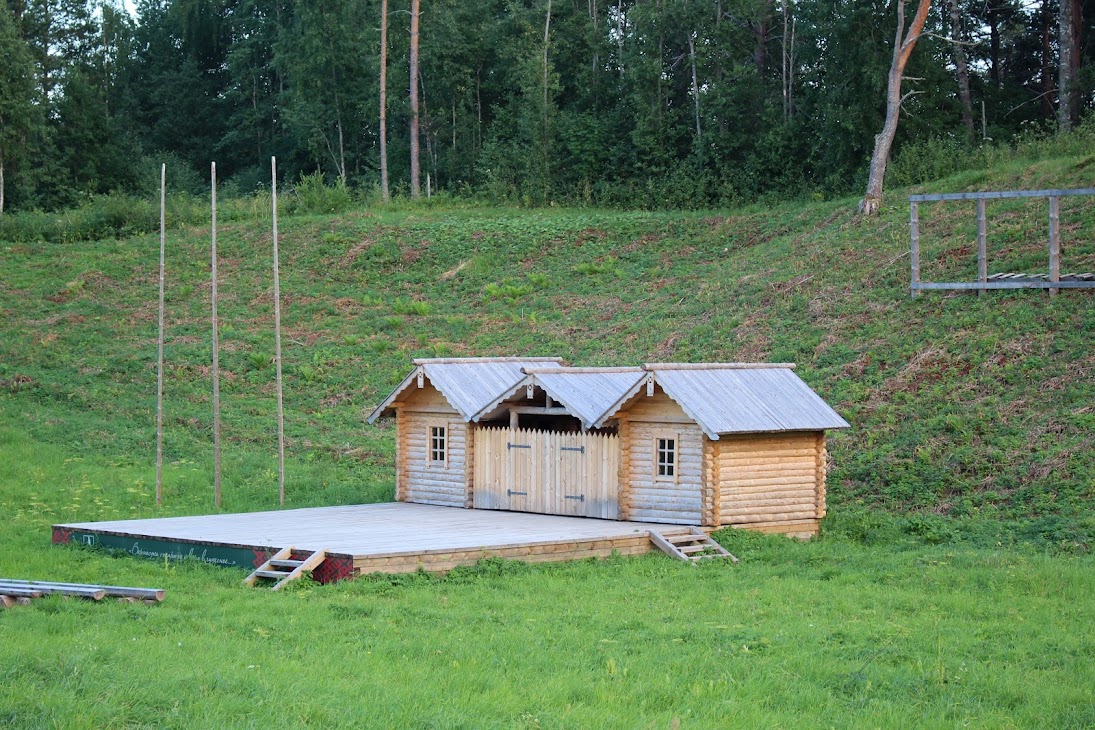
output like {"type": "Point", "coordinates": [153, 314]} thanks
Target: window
{"type": "Point", "coordinates": [666, 458]}
{"type": "Point", "coordinates": [437, 445]}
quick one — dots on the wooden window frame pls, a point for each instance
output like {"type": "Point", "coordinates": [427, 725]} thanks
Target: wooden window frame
{"type": "Point", "coordinates": [673, 478]}
{"type": "Point", "coordinates": [432, 463]}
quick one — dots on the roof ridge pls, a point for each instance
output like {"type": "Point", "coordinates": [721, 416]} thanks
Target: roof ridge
{"type": "Point", "coordinates": [716, 365]}
{"type": "Point", "coordinates": [474, 360]}
{"type": "Point", "coordinates": [568, 369]}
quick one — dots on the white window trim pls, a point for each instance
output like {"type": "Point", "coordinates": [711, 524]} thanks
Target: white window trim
{"type": "Point", "coordinates": [676, 437]}
{"type": "Point", "coordinates": [431, 463]}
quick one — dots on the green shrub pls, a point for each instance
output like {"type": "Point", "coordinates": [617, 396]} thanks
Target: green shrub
{"type": "Point", "coordinates": [507, 290]}
{"type": "Point", "coordinates": [412, 308]}
{"type": "Point", "coordinates": [594, 268]}
{"type": "Point", "coordinates": [315, 196]}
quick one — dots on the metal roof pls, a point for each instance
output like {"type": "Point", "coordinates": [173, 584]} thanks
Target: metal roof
{"type": "Point", "coordinates": [723, 398]}
{"type": "Point", "coordinates": [588, 393]}
{"type": "Point", "coordinates": [726, 400]}
{"type": "Point", "coordinates": [468, 384]}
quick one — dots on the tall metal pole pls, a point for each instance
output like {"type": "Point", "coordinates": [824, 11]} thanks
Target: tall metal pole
{"type": "Point", "coordinates": [277, 333]}
{"type": "Point", "coordinates": [216, 356]}
{"type": "Point", "coordinates": [159, 348]}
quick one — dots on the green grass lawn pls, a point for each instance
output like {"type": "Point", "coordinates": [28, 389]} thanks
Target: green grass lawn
{"type": "Point", "coordinates": [859, 628]}
{"type": "Point", "coordinates": [952, 584]}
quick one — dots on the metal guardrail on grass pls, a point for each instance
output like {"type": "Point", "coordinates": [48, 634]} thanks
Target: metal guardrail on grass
{"type": "Point", "coordinates": [1052, 280]}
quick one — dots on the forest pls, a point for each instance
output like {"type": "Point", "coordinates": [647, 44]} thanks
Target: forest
{"type": "Point", "coordinates": [621, 103]}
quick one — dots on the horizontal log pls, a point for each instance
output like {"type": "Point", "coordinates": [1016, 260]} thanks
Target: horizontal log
{"type": "Point", "coordinates": [684, 517]}
{"type": "Point", "coordinates": [95, 594]}
{"type": "Point", "coordinates": [787, 505]}
{"type": "Point", "coordinates": [414, 485]}
{"type": "Point", "coordinates": [762, 470]}
{"type": "Point", "coordinates": [727, 476]}
{"type": "Point", "coordinates": [775, 481]}
{"type": "Point", "coordinates": [765, 517]}
{"type": "Point", "coordinates": [768, 454]}
{"type": "Point", "coordinates": [452, 502]}
{"type": "Point", "coordinates": [666, 505]}
{"type": "Point", "coordinates": [746, 492]}
{"type": "Point", "coordinates": [762, 504]}
{"type": "Point", "coordinates": [156, 594]}
{"type": "Point", "coordinates": [786, 527]}
{"type": "Point", "coordinates": [728, 471]}
{"type": "Point", "coordinates": [774, 443]}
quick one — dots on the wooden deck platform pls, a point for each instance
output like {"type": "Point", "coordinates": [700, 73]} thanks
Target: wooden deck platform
{"type": "Point", "coordinates": [391, 537]}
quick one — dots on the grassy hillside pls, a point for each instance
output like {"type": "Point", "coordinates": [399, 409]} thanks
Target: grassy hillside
{"type": "Point", "coordinates": [950, 585]}
{"type": "Point", "coordinates": [960, 405]}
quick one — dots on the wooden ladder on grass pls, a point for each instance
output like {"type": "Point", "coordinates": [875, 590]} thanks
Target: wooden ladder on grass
{"type": "Point", "coordinates": [692, 547]}
{"type": "Point", "coordinates": [282, 568]}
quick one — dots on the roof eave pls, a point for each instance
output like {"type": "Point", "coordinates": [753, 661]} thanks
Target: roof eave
{"type": "Point", "coordinates": [497, 401]}
{"type": "Point", "coordinates": [706, 428]}
{"type": "Point", "coordinates": [379, 410]}
{"type": "Point", "coordinates": [615, 407]}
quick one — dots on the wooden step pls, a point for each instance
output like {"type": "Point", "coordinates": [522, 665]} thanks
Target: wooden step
{"type": "Point", "coordinates": [272, 574]}
{"type": "Point", "coordinates": [292, 569]}
{"type": "Point", "coordinates": [676, 546]}
{"type": "Point", "coordinates": [690, 537]}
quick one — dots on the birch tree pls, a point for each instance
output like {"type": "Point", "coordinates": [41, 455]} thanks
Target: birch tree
{"type": "Point", "coordinates": [904, 42]}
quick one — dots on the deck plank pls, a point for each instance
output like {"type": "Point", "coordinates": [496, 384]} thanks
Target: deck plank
{"type": "Point", "coordinates": [371, 530]}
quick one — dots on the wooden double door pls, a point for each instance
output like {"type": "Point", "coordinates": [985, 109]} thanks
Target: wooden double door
{"type": "Point", "coordinates": [550, 472]}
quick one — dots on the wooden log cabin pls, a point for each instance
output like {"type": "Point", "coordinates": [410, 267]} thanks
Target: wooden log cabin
{"type": "Point", "coordinates": [707, 444]}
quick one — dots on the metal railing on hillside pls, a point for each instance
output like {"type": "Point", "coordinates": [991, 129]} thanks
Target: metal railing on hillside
{"type": "Point", "coordinates": [1053, 280]}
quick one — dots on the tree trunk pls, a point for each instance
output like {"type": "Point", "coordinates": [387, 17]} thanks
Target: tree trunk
{"type": "Point", "coordinates": [545, 133]}
{"type": "Point", "coordinates": [1064, 66]}
{"type": "Point", "coordinates": [994, 42]}
{"type": "Point", "coordinates": [1047, 62]}
{"type": "Point", "coordinates": [760, 52]}
{"type": "Point", "coordinates": [1068, 63]}
{"type": "Point", "coordinates": [547, 36]}
{"type": "Point", "coordinates": [596, 61]}
{"type": "Point", "coordinates": [695, 93]}
{"type": "Point", "coordinates": [385, 195]}
{"type": "Point", "coordinates": [960, 67]}
{"type": "Point", "coordinates": [416, 171]}
{"type": "Point", "coordinates": [620, 35]}
{"type": "Point", "coordinates": [883, 142]}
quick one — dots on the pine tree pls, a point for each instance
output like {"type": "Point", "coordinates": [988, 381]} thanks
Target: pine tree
{"type": "Point", "coordinates": [18, 113]}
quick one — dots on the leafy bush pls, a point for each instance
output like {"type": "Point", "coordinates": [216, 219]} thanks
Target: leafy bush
{"type": "Point", "coordinates": [315, 196]}
{"type": "Point", "coordinates": [507, 290]}
{"type": "Point", "coordinates": [412, 308]}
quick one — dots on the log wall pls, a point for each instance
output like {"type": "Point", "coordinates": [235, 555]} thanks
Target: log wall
{"type": "Point", "coordinates": [649, 499]}
{"type": "Point", "coordinates": [418, 480]}
{"type": "Point", "coordinates": [772, 482]}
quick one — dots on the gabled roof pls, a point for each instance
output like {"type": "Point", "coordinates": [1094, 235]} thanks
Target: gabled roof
{"type": "Point", "coordinates": [729, 398]}
{"type": "Point", "coordinates": [587, 393]}
{"type": "Point", "coordinates": [722, 398]}
{"type": "Point", "coordinates": [470, 383]}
